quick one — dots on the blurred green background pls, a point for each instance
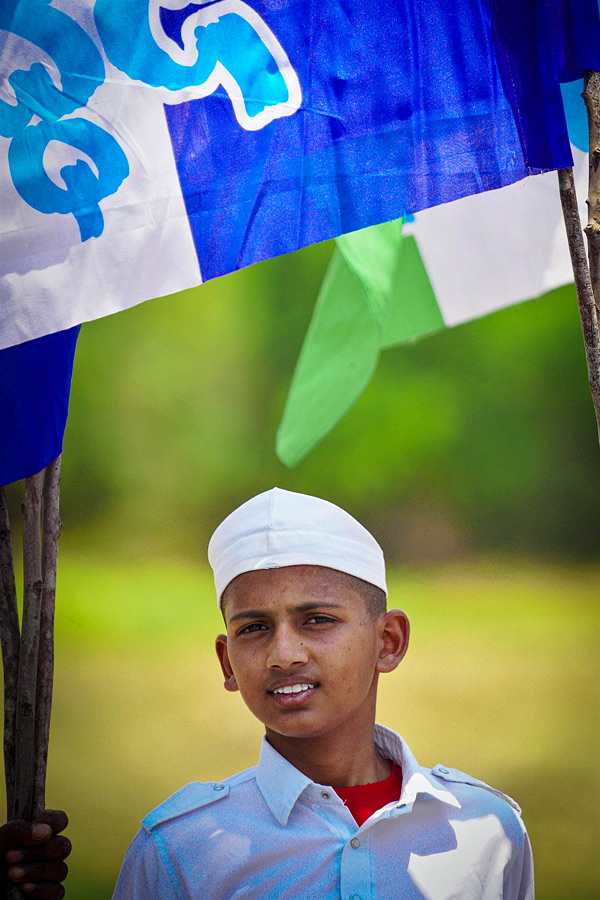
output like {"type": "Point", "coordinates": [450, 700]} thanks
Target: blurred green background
{"type": "Point", "coordinates": [472, 456]}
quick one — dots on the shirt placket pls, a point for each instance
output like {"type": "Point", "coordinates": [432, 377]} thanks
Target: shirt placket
{"type": "Point", "coordinates": [355, 862]}
{"type": "Point", "coordinates": [356, 876]}
{"type": "Point", "coordinates": [356, 882]}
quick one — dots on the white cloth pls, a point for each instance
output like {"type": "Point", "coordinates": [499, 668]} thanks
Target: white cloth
{"type": "Point", "coordinates": [282, 528]}
{"type": "Point", "coordinates": [270, 833]}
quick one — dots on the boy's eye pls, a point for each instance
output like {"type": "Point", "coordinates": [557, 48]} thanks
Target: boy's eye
{"type": "Point", "coordinates": [319, 620]}
{"type": "Point", "coordinates": [252, 628]}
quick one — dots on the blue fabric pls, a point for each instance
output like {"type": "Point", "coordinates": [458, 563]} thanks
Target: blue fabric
{"type": "Point", "coordinates": [575, 27]}
{"type": "Point", "coordinates": [577, 122]}
{"type": "Point", "coordinates": [526, 46]}
{"type": "Point", "coordinates": [35, 383]}
{"type": "Point", "coordinates": [403, 108]}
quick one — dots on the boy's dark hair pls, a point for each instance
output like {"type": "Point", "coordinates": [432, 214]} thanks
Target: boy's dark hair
{"type": "Point", "coordinates": [374, 597]}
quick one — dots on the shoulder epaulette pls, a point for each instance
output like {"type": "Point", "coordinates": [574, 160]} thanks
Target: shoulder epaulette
{"type": "Point", "coordinates": [456, 775]}
{"type": "Point", "coordinates": [189, 798]}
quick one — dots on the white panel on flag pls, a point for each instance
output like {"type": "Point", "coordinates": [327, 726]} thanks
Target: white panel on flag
{"type": "Point", "coordinates": [488, 251]}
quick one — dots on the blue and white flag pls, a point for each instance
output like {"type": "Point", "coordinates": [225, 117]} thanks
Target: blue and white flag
{"type": "Point", "coordinates": [149, 145]}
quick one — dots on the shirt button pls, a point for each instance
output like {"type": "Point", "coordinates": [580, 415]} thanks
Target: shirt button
{"type": "Point", "coordinates": [325, 795]}
{"type": "Point", "coordinates": [219, 787]}
{"type": "Point", "coordinates": [354, 843]}
{"type": "Point", "coordinates": [354, 897]}
{"type": "Point", "coordinates": [443, 770]}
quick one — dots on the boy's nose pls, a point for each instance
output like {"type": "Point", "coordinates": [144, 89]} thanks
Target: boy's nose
{"type": "Point", "coordinates": [286, 650]}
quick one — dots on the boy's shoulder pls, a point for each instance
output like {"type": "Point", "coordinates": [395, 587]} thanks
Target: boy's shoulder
{"type": "Point", "coordinates": [456, 777]}
{"type": "Point", "coordinates": [469, 792]}
{"type": "Point", "coordinates": [194, 797]}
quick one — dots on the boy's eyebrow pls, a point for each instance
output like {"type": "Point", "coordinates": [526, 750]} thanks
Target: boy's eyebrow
{"type": "Point", "coordinates": [316, 604]}
{"type": "Point", "coordinates": [302, 607]}
{"type": "Point", "coordinates": [249, 614]}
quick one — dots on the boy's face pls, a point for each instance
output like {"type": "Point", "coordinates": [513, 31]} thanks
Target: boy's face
{"type": "Point", "coordinates": [304, 652]}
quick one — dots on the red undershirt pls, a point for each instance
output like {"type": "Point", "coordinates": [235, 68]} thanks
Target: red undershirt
{"type": "Point", "coordinates": [364, 799]}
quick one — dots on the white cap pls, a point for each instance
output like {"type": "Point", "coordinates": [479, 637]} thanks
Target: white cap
{"type": "Point", "coordinates": [281, 528]}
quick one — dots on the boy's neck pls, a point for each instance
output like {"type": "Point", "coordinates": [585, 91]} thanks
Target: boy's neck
{"type": "Point", "coordinates": [330, 760]}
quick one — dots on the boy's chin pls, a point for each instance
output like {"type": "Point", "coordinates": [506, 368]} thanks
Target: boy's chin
{"type": "Point", "coordinates": [301, 728]}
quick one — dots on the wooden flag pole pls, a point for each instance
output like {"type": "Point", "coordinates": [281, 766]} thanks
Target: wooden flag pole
{"type": "Point", "coordinates": [591, 96]}
{"type": "Point", "coordinates": [10, 638]}
{"type": "Point", "coordinates": [583, 285]}
{"type": "Point", "coordinates": [587, 274]}
{"type": "Point", "coordinates": [51, 526]}
{"type": "Point", "coordinates": [28, 653]}
{"type": "Point", "coordinates": [28, 657]}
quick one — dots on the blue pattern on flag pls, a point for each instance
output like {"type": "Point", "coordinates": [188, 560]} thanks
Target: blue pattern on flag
{"type": "Point", "coordinates": [577, 122]}
{"type": "Point", "coordinates": [84, 190]}
{"type": "Point", "coordinates": [226, 46]}
{"type": "Point", "coordinates": [81, 70]}
{"type": "Point", "coordinates": [399, 112]}
{"type": "Point", "coordinates": [73, 52]}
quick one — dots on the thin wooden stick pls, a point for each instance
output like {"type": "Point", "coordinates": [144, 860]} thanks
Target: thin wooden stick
{"type": "Point", "coordinates": [583, 285]}
{"type": "Point", "coordinates": [45, 672]}
{"type": "Point", "coordinates": [28, 661]}
{"type": "Point", "coordinates": [10, 639]}
{"type": "Point", "coordinates": [591, 96]}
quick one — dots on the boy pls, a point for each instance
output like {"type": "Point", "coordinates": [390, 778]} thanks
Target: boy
{"type": "Point", "coordinates": [337, 806]}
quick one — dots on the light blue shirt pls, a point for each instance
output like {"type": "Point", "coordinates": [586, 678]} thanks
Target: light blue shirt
{"type": "Point", "coordinates": [270, 833]}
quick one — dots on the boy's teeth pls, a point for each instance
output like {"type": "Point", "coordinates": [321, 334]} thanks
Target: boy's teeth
{"type": "Point", "coordinates": [293, 688]}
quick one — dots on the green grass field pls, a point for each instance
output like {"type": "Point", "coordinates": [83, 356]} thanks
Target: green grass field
{"type": "Point", "coordinates": [500, 680]}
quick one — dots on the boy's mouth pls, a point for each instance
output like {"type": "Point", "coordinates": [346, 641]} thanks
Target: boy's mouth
{"type": "Point", "coordinates": [293, 694]}
{"type": "Point", "coordinates": [293, 688]}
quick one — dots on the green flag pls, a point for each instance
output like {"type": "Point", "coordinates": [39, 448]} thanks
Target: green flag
{"type": "Point", "coordinates": [390, 284]}
{"type": "Point", "coordinates": [376, 293]}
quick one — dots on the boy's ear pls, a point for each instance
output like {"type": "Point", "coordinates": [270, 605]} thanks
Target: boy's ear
{"type": "Point", "coordinates": [394, 635]}
{"type": "Point", "coordinates": [230, 683]}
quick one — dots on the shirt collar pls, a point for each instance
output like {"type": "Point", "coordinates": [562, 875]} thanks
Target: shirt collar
{"type": "Point", "coordinates": [279, 781]}
{"type": "Point", "coordinates": [281, 784]}
{"type": "Point", "coordinates": [416, 779]}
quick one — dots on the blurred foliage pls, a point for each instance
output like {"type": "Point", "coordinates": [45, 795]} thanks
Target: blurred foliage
{"type": "Point", "coordinates": [500, 680]}
{"type": "Point", "coordinates": [479, 437]}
